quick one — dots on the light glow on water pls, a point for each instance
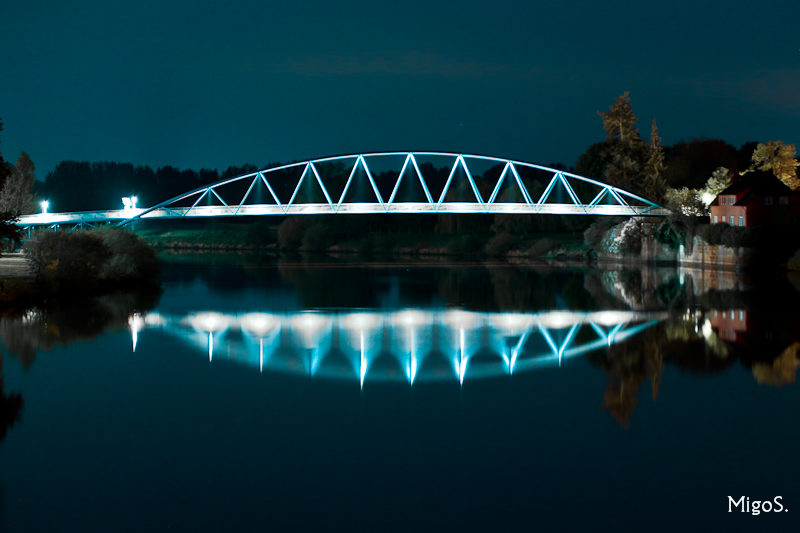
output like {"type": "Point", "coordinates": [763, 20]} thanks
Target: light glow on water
{"type": "Point", "coordinates": [512, 323]}
{"type": "Point", "coordinates": [208, 322]}
{"type": "Point", "coordinates": [359, 321]}
{"type": "Point", "coordinates": [609, 318]}
{"type": "Point", "coordinates": [259, 324]}
{"type": "Point", "coordinates": [410, 318]}
{"type": "Point", "coordinates": [409, 336]}
{"type": "Point", "coordinates": [136, 322]}
{"type": "Point", "coordinates": [310, 327]}
{"type": "Point", "coordinates": [363, 371]}
{"type": "Point", "coordinates": [462, 370]}
{"type": "Point", "coordinates": [560, 319]}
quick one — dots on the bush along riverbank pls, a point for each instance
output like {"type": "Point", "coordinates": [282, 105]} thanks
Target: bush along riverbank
{"type": "Point", "coordinates": [505, 236]}
{"type": "Point", "coordinates": [692, 241]}
{"type": "Point", "coordinates": [677, 239]}
{"type": "Point", "coordinates": [84, 263]}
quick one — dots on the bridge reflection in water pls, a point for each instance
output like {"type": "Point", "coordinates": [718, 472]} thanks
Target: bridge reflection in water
{"type": "Point", "coordinates": [399, 345]}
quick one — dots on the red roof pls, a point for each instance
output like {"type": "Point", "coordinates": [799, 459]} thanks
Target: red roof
{"type": "Point", "coordinates": [758, 183]}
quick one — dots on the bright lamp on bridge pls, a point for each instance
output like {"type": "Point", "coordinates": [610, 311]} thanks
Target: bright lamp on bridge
{"type": "Point", "coordinates": [129, 202]}
{"type": "Point", "coordinates": [44, 204]}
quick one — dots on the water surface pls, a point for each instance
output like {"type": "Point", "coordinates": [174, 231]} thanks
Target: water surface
{"type": "Point", "coordinates": [331, 396]}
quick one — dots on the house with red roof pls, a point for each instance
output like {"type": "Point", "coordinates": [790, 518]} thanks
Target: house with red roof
{"type": "Point", "coordinates": [756, 198]}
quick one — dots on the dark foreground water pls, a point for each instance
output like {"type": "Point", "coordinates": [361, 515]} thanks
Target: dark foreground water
{"type": "Point", "coordinates": [405, 397]}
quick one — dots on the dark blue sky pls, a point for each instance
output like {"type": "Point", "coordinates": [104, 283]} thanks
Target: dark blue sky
{"type": "Point", "coordinates": [212, 84]}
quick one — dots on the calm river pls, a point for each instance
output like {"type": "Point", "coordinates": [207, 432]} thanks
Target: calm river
{"type": "Point", "coordinates": [318, 394]}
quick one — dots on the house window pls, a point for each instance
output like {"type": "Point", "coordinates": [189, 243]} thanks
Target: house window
{"type": "Point", "coordinates": [741, 221]}
{"type": "Point", "coordinates": [768, 200]}
{"type": "Point", "coordinates": [784, 200]}
{"type": "Point", "coordinates": [741, 314]}
{"type": "Point", "coordinates": [723, 200]}
{"type": "Point", "coordinates": [716, 219]}
{"type": "Point", "coordinates": [731, 220]}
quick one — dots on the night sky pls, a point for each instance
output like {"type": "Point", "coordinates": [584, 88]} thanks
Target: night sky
{"type": "Point", "coordinates": [211, 84]}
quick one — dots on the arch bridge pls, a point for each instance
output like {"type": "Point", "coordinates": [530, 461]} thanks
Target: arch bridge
{"type": "Point", "coordinates": [386, 182]}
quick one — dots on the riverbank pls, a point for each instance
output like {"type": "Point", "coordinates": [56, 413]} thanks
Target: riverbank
{"type": "Point", "coordinates": [15, 267]}
{"type": "Point", "coordinates": [78, 265]}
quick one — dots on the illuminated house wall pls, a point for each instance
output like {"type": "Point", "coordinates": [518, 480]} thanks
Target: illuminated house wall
{"type": "Point", "coordinates": [756, 198]}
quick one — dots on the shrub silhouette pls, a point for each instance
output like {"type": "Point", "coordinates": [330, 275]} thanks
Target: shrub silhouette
{"type": "Point", "coordinates": [77, 261]}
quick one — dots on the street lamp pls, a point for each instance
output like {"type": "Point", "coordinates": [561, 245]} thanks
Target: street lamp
{"type": "Point", "coordinates": [129, 202]}
{"type": "Point", "coordinates": [44, 204]}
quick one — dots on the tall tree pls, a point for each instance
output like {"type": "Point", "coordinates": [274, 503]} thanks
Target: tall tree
{"type": "Point", "coordinates": [592, 163]}
{"type": "Point", "coordinates": [625, 148]}
{"type": "Point", "coordinates": [17, 195]}
{"type": "Point", "coordinates": [719, 181]}
{"type": "Point", "coordinates": [690, 163]}
{"type": "Point", "coordinates": [9, 230]}
{"type": "Point", "coordinates": [654, 185]}
{"type": "Point", "coordinates": [4, 167]}
{"type": "Point", "coordinates": [780, 159]}
{"type": "Point", "coordinates": [686, 201]}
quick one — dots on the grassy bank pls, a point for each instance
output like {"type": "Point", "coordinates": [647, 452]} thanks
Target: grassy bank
{"type": "Point", "coordinates": [306, 235]}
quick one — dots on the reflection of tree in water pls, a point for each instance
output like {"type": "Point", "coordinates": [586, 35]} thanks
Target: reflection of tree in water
{"type": "Point", "coordinates": [656, 289]}
{"type": "Point", "coordinates": [10, 406]}
{"type": "Point", "coordinates": [60, 323]}
{"type": "Point", "coordinates": [628, 365]}
{"type": "Point", "coordinates": [467, 287]}
{"type": "Point", "coordinates": [23, 332]}
{"type": "Point", "coordinates": [781, 371]}
{"type": "Point", "coordinates": [686, 341]}
{"type": "Point", "coordinates": [327, 286]}
{"type": "Point", "coordinates": [627, 284]}
{"type": "Point", "coordinates": [489, 288]}
{"type": "Point", "coordinates": [515, 289]}
{"type": "Point", "coordinates": [594, 285]}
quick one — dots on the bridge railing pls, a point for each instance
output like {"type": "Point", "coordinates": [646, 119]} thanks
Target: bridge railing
{"type": "Point", "coordinates": [40, 219]}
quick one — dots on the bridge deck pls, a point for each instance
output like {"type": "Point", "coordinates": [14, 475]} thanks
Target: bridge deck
{"type": "Point", "coordinates": [120, 215]}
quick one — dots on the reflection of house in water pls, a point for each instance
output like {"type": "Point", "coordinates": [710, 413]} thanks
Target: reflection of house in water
{"type": "Point", "coordinates": [767, 342]}
{"type": "Point", "coordinates": [732, 324]}
{"type": "Point", "coordinates": [746, 327]}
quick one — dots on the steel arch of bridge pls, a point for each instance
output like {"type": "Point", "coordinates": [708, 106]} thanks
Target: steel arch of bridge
{"type": "Point", "coordinates": [625, 203]}
{"type": "Point", "coordinates": [609, 200]}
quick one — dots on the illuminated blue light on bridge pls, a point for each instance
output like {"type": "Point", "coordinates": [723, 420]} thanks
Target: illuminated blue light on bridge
{"type": "Point", "coordinates": [230, 202]}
